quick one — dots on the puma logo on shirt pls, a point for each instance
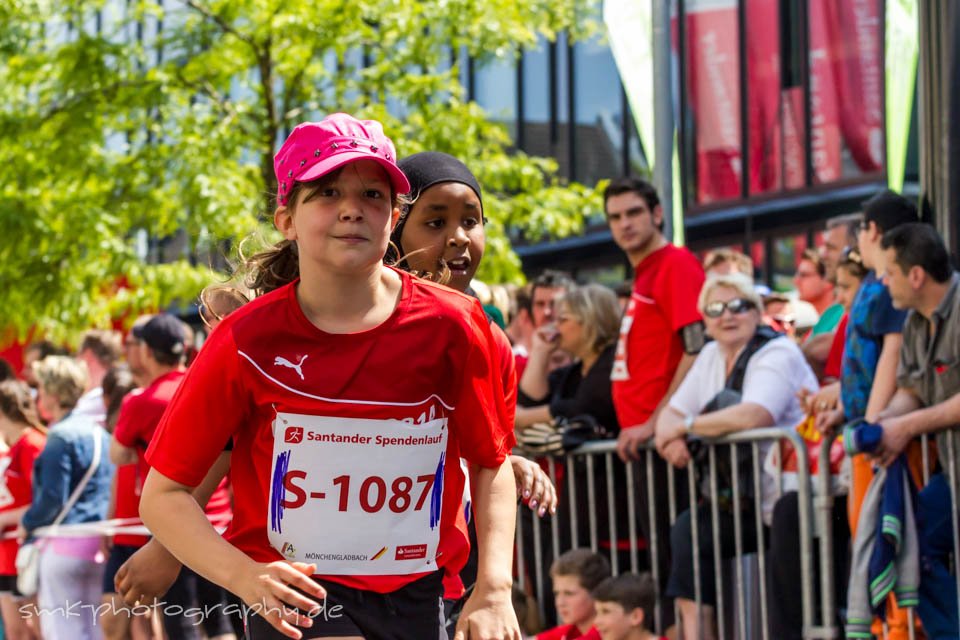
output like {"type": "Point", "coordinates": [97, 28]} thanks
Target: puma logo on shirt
{"type": "Point", "coordinates": [280, 361]}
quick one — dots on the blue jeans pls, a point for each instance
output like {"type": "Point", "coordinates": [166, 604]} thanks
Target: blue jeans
{"type": "Point", "coordinates": [938, 589]}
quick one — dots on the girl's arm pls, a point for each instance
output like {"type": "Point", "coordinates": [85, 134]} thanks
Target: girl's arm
{"type": "Point", "coordinates": [489, 611]}
{"type": "Point", "coordinates": [172, 514]}
{"type": "Point", "coordinates": [151, 571]}
{"type": "Point", "coordinates": [885, 377]}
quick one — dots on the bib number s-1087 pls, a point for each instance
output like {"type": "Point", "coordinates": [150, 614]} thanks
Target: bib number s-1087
{"type": "Point", "coordinates": [374, 494]}
{"type": "Point", "coordinates": [357, 496]}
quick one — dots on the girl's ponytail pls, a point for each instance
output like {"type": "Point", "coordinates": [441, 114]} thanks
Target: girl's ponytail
{"type": "Point", "coordinates": [273, 268]}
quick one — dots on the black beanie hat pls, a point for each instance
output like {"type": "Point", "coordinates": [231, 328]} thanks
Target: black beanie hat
{"type": "Point", "coordinates": [426, 169]}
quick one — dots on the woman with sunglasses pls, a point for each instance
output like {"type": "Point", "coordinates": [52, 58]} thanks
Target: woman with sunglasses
{"type": "Point", "coordinates": [775, 372]}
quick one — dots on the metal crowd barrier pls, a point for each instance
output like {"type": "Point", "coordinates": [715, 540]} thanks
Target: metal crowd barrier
{"type": "Point", "coordinates": [548, 546]}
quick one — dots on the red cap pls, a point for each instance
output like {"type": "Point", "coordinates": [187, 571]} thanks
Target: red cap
{"type": "Point", "coordinates": [314, 149]}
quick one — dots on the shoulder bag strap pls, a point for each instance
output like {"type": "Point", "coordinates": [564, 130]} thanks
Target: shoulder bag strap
{"type": "Point", "coordinates": [763, 335]}
{"type": "Point", "coordinates": [75, 495]}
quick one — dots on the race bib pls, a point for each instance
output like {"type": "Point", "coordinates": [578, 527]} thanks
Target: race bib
{"type": "Point", "coordinates": [357, 496]}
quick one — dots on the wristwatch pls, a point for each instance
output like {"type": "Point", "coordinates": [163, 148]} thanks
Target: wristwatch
{"type": "Point", "coordinates": [688, 422]}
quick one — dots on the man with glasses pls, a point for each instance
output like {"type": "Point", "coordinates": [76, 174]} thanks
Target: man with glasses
{"type": "Point", "coordinates": [660, 337]}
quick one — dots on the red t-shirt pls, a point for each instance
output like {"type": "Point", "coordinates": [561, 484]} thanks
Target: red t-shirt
{"type": "Point", "coordinates": [137, 421]}
{"type": "Point", "coordinates": [832, 368]}
{"type": "Point", "coordinates": [128, 484]}
{"type": "Point", "coordinates": [664, 300]}
{"type": "Point", "coordinates": [430, 366]}
{"type": "Point", "coordinates": [568, 632]}
{"type": "Point", "coordinates": [17, 488]}
{"type": "Point", "coordinates": [453, 587]}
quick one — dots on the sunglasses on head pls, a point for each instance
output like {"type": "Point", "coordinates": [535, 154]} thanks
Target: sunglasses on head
{"type": "Point", "coordinates": [735, 306]}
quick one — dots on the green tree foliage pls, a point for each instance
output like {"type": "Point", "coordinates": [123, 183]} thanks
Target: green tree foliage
{"type": "Point", "coordinates": [115, 130]}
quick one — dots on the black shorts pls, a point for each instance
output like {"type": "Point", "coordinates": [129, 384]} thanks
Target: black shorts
{"type": "Point", "coordinates": [189, 595]}
{"type": "Point", "coordinates": [413, 612]}
{"type": "Point", "coordinates": [119, 554]}
{"type": "Point", "coordinates": [8, 585]}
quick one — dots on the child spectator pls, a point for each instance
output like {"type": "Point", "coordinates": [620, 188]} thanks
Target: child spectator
{"type": "Point", "coordinates": [575, 575]}
{"type": "Point", "coordinates": [625, 607]}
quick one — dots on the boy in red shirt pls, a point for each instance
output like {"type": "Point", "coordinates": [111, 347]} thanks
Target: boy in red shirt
{"type": "Point", "coordinates": [575, 575]}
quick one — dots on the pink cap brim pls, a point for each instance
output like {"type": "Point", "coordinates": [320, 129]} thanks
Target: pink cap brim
{"type": "Point", "coordinates": [397, 178]}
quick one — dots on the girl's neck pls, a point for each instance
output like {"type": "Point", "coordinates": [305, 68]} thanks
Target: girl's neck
{"type": "Point", "coordinates": [349, 303]}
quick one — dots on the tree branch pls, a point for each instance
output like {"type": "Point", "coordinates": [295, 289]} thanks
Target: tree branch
{"type": "Point", "coordinates": [101, 92]}
{"type": "Point", "coordinates": [224, 103]}
{"type": "Point", "coordinates": [225, 26]}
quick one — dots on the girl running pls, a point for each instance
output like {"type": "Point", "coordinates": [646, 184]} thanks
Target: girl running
{"type": "Point", "coordinates": [440, 234]}
{"type": "Point", "coordinates": [345, 391]}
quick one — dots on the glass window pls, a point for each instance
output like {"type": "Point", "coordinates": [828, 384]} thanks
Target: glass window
{"type": "Point", "coordinates": [758, 255]}
{"type": "Point", "coordinates": [764, 126]}
{"type": "Point", "coordinates": [496, 86]}
{"type": "Point", "coordinates": [787, 251]}
{"type": "Point", "coordinates": [610, 275]}
{"type": "Point", "coordinates": [599, 112]}
{"type": "Point", "coordinates": [713, 98]}
{"type": "Point", "coordinates": [822, 88]}
{"type": "Point", "coordinates": [846, 88]}
{"type": "Point", "coordinates": [536, 91]}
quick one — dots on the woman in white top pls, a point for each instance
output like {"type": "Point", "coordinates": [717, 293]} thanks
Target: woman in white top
{"type": "Point", "coordinates": [774, 374]}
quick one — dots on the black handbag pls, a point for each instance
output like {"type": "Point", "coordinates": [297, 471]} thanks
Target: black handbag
{"type": "Point", "coordinates": [562, 435]}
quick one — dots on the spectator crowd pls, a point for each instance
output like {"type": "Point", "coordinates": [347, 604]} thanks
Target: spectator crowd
{"type": "Point", "coordinates": [866, 348]}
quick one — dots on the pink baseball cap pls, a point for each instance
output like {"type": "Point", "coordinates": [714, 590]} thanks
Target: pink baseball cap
{"type": "Point", "coordinates": [314, 149]}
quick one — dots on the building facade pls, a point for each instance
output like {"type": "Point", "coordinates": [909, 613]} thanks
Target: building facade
{"type": "Point", "coordinates": [784, 118]}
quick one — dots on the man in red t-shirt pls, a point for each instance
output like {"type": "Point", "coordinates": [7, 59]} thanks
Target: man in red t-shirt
{"type": "Point", "coordinates": [661, 335]}
{"type": "Point", "coordinates": [161, 349]}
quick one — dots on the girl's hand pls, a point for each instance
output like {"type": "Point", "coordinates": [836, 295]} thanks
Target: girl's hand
{"type": "Point", "coordinates": [534, 486]}
{"type": "Point", "coordinates": [147, 575]}
{"type": "Point", "coordinates": [270, 589]}
{"type": "Point", "coordinates": [488, 616]}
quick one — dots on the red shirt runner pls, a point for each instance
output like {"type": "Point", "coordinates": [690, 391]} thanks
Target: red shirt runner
{"type": "Point", "coordinates": [139, 417]}
{"type": "Point", "coordinates": [300, 403]}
